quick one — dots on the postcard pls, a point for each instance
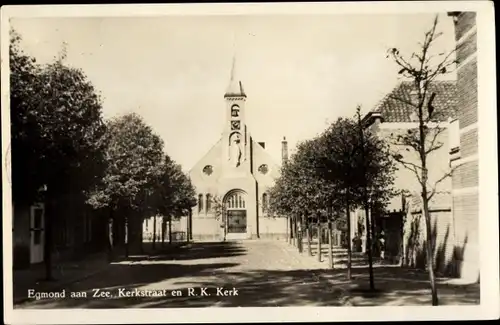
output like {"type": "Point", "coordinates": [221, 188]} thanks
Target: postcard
{"type": "Point", "coordinates": [175, 163]}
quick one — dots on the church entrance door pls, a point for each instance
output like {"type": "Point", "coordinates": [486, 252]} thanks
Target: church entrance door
{"type": "Point", "coordinates": [236, 212]}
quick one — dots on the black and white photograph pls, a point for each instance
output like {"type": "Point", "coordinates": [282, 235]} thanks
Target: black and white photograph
{"type": "Point", "coordinates": [179, 157]}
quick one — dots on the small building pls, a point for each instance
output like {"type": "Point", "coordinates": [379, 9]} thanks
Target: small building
{"type": "Point", "coordinates": [401, 220]}
{"type": "Point", "coordinates": [77, 230]}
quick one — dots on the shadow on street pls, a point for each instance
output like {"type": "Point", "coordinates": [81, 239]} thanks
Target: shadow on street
{"type": "Point", "coordinates": [255, 287]}
{"type": "Point", "coordinates": [192, 251]}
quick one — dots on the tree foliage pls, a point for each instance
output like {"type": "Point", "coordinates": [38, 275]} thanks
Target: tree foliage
{"type": "Point", "coordinates": [56, 126]}
{"type": "Point", "coordinates": [328, 170]}
{"type": "Point", "coordinates": [177, 193]}
{"type": "Point", "coordinates": [134, 156]}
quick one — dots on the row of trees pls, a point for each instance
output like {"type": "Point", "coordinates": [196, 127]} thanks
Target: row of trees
{"type": "Point", "coordinates": [344, 168]}
{"type": "Point", "coordinates": [61, 144]}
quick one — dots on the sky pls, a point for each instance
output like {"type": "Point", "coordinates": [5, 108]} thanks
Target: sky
{"type": "Point", "coordinates": [300, 72]}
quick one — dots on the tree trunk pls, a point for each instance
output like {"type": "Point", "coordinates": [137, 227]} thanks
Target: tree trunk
{"type": "Point", "coordinates": [349, 241]}
{"type": "Point", "coordinates": [293, 232]}
{"type": "Point", "coordinates": [299, 237]}
{"type": "Point", "coordinates": [188, 230]}
{"type": "Point", "coordinates": [170, 230]}
{"type": "Point", "coordinates": [308, 234]}
{"type": "Point", "coordinates": [319, 239]}
{"type": "Point", "coordinates": [126, 236]}
{"type": "Point", "coordinates": [430, 249]}
{"type": "Point", "coordinates": [374, 238]}
{"type": "Point", "coordinates": [369, 246]}
{"type": "Point", "coordinates": [47, 247]}
{"type": "Point", "coordinates": [141, 237]}
{"type": "Point", "coordinates": [163, 230]}
{"type": "Point", "coordinates": [330, 245]}
{"type": "Point", "coordinates": [154, 232]}
{"type": "Point", "coordinates": [286, 228]}
{"type": "Point", "coordinates": [110, 236]}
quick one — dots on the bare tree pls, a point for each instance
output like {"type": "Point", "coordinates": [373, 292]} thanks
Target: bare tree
{"type": "Point", "coordinates": [422, 69]}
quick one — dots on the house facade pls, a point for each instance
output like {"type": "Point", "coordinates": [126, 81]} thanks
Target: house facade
{"type": "Point", "coordinates": [402, 220]}
{"type": "Point", "coordinates": [77, 230]}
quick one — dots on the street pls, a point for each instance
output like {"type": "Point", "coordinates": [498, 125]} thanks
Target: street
{"type": "Point", "coordinates": [230, 274]}
{"type": "Point", "coordinates": [263, 273]}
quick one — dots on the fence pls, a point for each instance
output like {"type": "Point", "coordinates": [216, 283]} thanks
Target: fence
{"type": "Point", "coordinates": [177, 236]}
{"type": "Point", "coordinates": [337, 237]}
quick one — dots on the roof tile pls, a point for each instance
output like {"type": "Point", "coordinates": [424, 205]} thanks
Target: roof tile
{"type": "Point", "coordinates": [397, 105]}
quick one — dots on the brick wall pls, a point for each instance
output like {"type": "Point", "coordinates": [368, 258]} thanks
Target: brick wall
{"type": "Point", "coordinates": [466, 21]}
{"type": "Point", "coordinates": [467, 93]}
{"type": "Point", "coordinates": [466, 177]}
{"type": "Point", "coordinates": [468, 143]}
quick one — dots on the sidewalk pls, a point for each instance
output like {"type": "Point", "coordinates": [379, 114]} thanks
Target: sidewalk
{"type": "Point", "coordinates": [64, 274]}
{"type": "Point", "coordinates": [395, 286]}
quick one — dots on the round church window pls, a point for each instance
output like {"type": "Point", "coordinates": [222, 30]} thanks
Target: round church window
{"type": "Point", "coordinates": [208, 170]}
{"type": "Point", "coordinates": [263, 169]}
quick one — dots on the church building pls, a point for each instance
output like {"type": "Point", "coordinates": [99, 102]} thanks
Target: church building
{"type": "Point", "coordinates": [233, 178]}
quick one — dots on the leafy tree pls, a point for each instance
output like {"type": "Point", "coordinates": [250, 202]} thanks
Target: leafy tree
{"type": "Point", "coordinates": [337, 162]}
{"type": "Point", "coordinates": [57, 133]}
{"type": "Point", "coordinates": [422, 69]}
{"type": "Point", "coordinates": [25, 126]}
{"type": "Point", "coordinates": [177, 193]}
{"type": "Point", "coordinates": [134, 156]}
{"type": "Point", "coordinates": [359, 169]}
{"type": "Point", "coordinates": [300, 192]}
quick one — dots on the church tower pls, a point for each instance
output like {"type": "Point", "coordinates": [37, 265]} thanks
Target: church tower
{"type": "Point", "coordinates": [236, 140]}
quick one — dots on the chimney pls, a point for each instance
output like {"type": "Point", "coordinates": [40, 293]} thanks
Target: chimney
{"type": "Point", "coordinates": [262, 144]}
{"type": "Point", "coordinates": [284, 150]}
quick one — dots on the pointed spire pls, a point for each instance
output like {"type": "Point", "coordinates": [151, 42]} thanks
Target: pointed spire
{"type": "Point", "coordinates": [235, 88]}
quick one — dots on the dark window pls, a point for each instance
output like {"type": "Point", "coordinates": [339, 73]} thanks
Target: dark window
{"type": "Point", "coordinates": [235, 111]}
{"type": "Point", "coordinates": [200, 203]}
{"type": "Point", "coordinates": [37, 226]}
{"type": "Point", "coordinates": [37, 236]}
{"type": "Point", "coordinates": [37, 223]}
{"type": "Point", "coordinates": [209, 203]}
{"type": "Point", "coordinates": [263, 169]}
{"type": "Point", "coordinates": [208, 170]}
{"type": "Point", "coordinates": [264, 202]}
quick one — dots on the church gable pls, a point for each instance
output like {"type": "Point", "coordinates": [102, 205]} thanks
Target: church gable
{"type": "Point", "coordinates": [265, 170]}
{"type": "Point", "coordinates": [205, 173]}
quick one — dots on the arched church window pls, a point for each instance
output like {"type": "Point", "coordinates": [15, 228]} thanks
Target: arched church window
{"type": "Point", "coordinates": [209, 203]}
{"type": "Point", "coordinates": [236, 201]}
{"type": "Point", "coordinates": [200, 203]}
{"type": "Point", "coordinates": [265, 202]}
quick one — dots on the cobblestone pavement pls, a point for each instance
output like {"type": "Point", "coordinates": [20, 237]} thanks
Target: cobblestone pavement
{"type": "Point", "coordinates": [250, 273]}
